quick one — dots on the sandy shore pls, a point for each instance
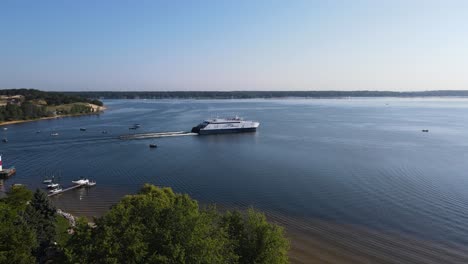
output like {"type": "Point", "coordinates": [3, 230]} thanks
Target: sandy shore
{"type": "Point", "coordinates": [323, 242]}
{"type": "Point", "coordinates": [97, 109]}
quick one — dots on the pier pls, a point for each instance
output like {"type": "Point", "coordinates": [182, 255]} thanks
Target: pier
{"type": "Point", "coordinates": [157, 135]}
{"type": "Point", "coordinates": [68, 189]}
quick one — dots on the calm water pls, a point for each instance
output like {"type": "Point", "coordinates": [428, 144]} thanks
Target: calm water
{"type": "Point", "coordinates": [359, 162]}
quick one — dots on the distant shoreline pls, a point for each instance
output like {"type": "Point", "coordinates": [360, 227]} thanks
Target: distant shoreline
{"type": "Point", "coordinates": [264, 94]}
{"type": "Point", "coordinates": [98, 110]}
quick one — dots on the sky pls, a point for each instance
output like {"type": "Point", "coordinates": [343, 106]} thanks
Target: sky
{"type": "Point", "coordinates": [175, 45]}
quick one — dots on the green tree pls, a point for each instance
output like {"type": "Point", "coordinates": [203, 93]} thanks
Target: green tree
{"type": "Point", "coordinates": [154, 226]}
{"type": "Point", "coordinates": [158, 226]}
{"type": "Point", "coordinates": [40, 216]}
{"type": "Point", "coordinates": [256, 240]}
{"type": "Point", "coordinates": [18, 197]}
{"type": "Point", "coordinates": [17, 239]}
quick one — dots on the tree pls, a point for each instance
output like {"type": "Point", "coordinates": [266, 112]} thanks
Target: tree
{"type": "Point", "coordinates": [40, 216]}
{"type": "Point", "coordinates": [17, 239]}
{"type": "Point", "coordinates": [18, 197]}
{"type": "Point", "coordinates": [256, 240]}
{"type": "Point", "coordinates": [158, 226]}
{"type": "Point", "coordinates": [154, 226]}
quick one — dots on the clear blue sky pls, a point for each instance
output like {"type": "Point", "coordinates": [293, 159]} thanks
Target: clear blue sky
{"type": "Point", "coordinates": [234, 45]}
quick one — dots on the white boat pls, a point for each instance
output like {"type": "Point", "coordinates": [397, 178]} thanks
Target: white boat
{"type": "Point", "coordinates": [46, 181]}
{"type": "Point", "coordinates": [56, 190]}
{"type": "Point", "coordinates": [225, 125]}
{"type": "Point", "coordinates": [81, 181]}
{"type": "Point", "coordinates": [54, 134]}
{"type": "Point", "coordinates": [52, 185]}
{"type": "Point", "coordinates": [91, 183]}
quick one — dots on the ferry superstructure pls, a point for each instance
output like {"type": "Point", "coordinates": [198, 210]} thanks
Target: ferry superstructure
{"type": "Point", "coordinates": [225, 125]}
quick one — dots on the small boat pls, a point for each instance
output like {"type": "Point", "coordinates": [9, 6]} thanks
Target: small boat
{"type": "Point", "coordinates": [104, 131]}
{"type": "Point", "coordinates": [5, 140]}
{"type": "Point", "coordinates": [54, 134]}
{"type": "Point", "coordinates": [132, 128]}
{"type": "Point", "coordinates": [81, 181]}
{"type": "Point", "coordinates": [48, 181]}
{"type": "Point", "coordinates": [153, 145]}
{"type": "Point", "coordinates": [5, 128]}
{"type": "Point", "coordinates": [53, 185]}
{"type": "Point", "coordinates": [91, 183]}
{"type": "Point", "coordinates": [56, 190]}
{"type": "Point", "coordinates": [137, 125]}
{"type": "Point", "coordinates": [425, 130]}
{"type": "Point", "coordinates": [37, 132]}
{"type": "Point", "coordinates": [82, 129]}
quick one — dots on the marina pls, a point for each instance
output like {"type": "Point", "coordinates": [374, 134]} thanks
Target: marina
{"type": "Point", "coordinates": [76, 186]}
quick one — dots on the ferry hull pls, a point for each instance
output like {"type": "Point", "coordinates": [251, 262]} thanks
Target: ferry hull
{"type": "Point", "coordinates": [226, 131]}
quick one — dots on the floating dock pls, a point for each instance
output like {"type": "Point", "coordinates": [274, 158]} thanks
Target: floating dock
{"type": "Point", "coordinates": [157, 135]}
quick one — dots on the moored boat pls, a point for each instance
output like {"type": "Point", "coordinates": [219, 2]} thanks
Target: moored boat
{"type": "Point", "coordinates": [153, 145]}
{"type": "Point", "coordinates": [91, 183]}
{"type": "Point", "coordinates": [53, 185]}
{"type": "Point", "coordinates": [56, 190]}
{"type": "Point", "coordinates": [81, 181]}
{"type": "Point", "coordinates": [48, 181]}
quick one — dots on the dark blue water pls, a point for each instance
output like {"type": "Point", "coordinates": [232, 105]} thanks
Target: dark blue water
{"type": "Point", "coordinates": [363, 162]}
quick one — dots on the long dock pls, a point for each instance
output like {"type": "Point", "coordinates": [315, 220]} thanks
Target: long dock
{"type": "Point", "coordinates": [157, 135]}
{"type": "Point", "coordinates": [67, 189]}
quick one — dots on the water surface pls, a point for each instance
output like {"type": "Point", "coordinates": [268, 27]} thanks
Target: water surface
{"type": "Point", "coordinates": [360, 163]}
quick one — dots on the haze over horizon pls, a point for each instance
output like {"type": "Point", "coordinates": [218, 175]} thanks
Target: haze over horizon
{"type": "Point", "coordinates": [234, 45]}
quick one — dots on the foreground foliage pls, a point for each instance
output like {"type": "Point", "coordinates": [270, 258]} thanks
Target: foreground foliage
{"type": "Point", "coordinates": [154, 226]}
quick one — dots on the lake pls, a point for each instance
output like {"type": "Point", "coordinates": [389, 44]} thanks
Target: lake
{"type": "Point", "coordinates": [352, 180]}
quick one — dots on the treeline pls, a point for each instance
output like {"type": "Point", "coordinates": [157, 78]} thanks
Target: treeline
{"type": "Point", "coordinates": [154, 226]}
{"type": "Point", "coordinates": [28, 110]}
{"type": "Point", "coordinates": [261, 94]}
{"type": "Point", "coordinates": [51, 98]}
{"type": "Point", "coordinates": [26, 104]}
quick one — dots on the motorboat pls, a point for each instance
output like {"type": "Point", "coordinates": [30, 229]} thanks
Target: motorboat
{"type": "Point", "coordinates": [81, 181]}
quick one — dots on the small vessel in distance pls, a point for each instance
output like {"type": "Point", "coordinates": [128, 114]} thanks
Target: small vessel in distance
{"type": "Point", "coordinates": [225, 125]}
{"type": "Point", "coordinates": [54, 134]}
{"type": "Point", "coordinates": [5, 140]}
{"type": "Point", "coordinates": [153, 145]}
{"type": "Point", "coordinates": [425, 130]}
{"type": "Point", "coordinates": [82, 129]}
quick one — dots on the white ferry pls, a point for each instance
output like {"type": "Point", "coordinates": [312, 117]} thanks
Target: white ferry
{"type": "Point", "coordinates": [225, 125]}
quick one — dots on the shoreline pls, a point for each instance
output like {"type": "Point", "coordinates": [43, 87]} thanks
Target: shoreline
{"type": "Point", "coordinates": [98, 110]}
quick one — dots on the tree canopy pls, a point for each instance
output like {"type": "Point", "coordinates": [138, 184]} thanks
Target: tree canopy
{"type": "Point", "coordinates": [159, 226]}
{"type": "Point", "coordinates": [155, 225]}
